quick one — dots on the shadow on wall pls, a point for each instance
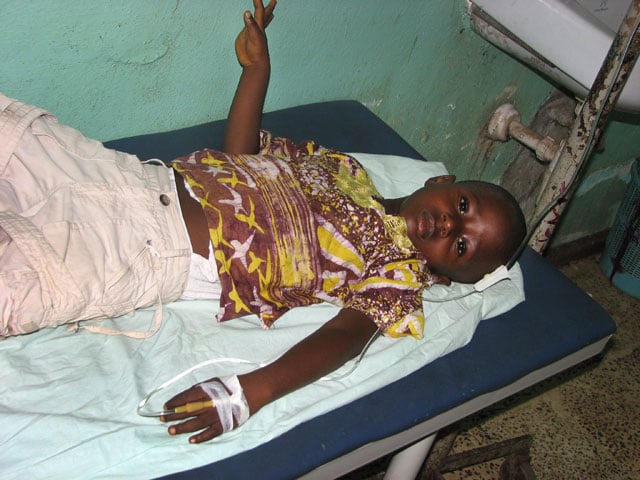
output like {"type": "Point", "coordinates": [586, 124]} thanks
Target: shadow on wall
{"type": "Point", "coordinates": [523, 175]}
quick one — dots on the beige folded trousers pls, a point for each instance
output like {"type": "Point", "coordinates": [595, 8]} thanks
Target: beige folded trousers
{"type": "Point", "coordinates": [85, 232]}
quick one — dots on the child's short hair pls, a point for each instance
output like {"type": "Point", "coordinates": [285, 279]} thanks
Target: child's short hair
{"type": "Point", "coordinates": [517, 228]}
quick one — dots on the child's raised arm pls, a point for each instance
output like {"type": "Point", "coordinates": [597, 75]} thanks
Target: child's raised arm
{"type": "Point", "coordinates": [243, 122]}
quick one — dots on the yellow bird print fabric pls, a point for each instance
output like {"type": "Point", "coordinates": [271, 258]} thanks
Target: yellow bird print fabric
{"type": "Point", "coordinates": [300, 224]}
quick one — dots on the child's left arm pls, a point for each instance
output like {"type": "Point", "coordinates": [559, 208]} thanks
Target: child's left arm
{"type": "Point", "coordinates": [242, 130]}
{"type": "Point", "coordinates": [339, 340]}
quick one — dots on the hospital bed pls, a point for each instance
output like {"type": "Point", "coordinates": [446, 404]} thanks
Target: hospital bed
{"type": "Point", "coordinates": [556, 327]}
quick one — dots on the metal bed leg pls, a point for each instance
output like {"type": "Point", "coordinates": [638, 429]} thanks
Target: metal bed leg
{"type": "Point", "coordinates": [406, 464]}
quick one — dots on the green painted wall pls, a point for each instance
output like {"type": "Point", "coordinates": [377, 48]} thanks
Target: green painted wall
{"type": "Point", "coordinates": [120, 68]}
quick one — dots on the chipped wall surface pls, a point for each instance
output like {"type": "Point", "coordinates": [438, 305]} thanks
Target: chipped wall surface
{"type": "Point", "coordinates": [122, 68]}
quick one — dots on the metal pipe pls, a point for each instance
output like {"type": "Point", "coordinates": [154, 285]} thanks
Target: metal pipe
{"type": "Point", "coordinates": [406, 464]}
{"type": "Point", "coordinates": [562, 176]}
{"type": "Point", "coordinates": [505, 124]}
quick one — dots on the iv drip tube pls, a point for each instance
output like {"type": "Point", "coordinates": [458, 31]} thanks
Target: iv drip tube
{"type": "Point", "coordinates": [144, 411]}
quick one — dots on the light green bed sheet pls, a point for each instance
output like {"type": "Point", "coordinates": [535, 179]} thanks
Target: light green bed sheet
{"type": "Point", "coordinates": [68, 399]}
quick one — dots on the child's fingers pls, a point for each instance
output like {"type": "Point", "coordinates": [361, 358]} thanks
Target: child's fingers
{"type": "Point", "coordinates": [206, 421]}
{"type": "Point", "coordinates": [205, 435]}
{"type": "Point", "coordinates": [194, 394]}
{"type": "Point", "coordinates": [253, 30]}
{"type": "Point", "coordinates": [174, 417]}
{"type": "Point", "coordinates": [249, 21]}
{"type": "Point", "coordinates": [267, 22]}
{"type": "Point", "coordinates": [189, 409]}
{"type": "Point", "coordinates": [268, 13]}
{"type": "Point", "coordinates": [258, 12]}
{"type": "Point", "coordinates": [263, 15]}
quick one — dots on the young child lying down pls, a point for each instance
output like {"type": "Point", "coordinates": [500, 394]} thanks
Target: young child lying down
{"type": "Point", "coordinates": [90, 233]}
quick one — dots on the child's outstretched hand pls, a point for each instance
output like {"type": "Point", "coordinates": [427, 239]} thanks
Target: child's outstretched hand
{"type": "Point", "coordinates": [204, 420]}
{"type": "Point", "coordinates": [251, 43]}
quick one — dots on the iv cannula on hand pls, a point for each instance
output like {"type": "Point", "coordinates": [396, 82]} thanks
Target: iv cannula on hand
{"type": "Point", "coordinates": [190, 407]}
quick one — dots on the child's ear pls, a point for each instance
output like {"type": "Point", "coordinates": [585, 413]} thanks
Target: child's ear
{"type": "Point", "coordinates": [441, 179]}
{"type": "Point", "coordinates": [440, 280]}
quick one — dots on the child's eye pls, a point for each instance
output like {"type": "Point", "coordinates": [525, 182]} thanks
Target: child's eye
{"type": "Point", "coordinates": [464, 205]}
{"type": "Point", "coordinates": [461, 247]}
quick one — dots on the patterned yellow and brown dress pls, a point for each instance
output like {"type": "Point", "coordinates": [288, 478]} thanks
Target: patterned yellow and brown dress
{"type": "Point", "coordinates": [300, 224]}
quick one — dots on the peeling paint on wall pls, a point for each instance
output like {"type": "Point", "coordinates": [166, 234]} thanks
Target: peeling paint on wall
{"type": "Point", "coordinates": [371, 104]}
{"type": "Point", "coordinates": [152, 52]}
{"type": "Point", "coordinates": [508, 94]}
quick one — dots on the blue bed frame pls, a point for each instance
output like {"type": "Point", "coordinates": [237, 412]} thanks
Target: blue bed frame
{"type": "Point", "coordinates": [556, 327]}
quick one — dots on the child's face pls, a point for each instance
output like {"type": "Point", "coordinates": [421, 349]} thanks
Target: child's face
{"type": "Point", "coordinates": [459, 227]}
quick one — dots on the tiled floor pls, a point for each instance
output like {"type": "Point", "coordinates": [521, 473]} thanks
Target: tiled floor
{"type": "Point", "coordinates": [585, 422]}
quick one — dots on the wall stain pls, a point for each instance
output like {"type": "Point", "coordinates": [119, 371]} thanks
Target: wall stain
{"type": "Point", "coordinates": [148, 55]}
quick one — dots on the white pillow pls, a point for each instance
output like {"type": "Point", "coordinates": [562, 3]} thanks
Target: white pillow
{"type": "Point", "coordinates": [396, 176]}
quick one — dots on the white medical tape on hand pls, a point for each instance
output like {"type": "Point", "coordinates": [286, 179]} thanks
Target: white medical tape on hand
{"type": "Point", "coordinates": [229, 407]}
{"type": "Point", "coordinates": [239, 404]}
{"type": "Point", "coordinates": [221, 401]}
